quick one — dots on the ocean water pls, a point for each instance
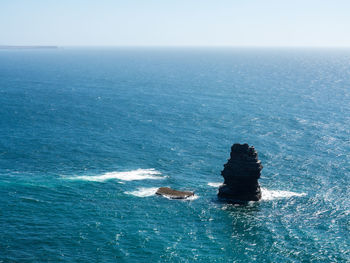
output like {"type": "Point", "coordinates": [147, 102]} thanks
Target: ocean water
{"type": "Point", "coordinates": [87, 136]}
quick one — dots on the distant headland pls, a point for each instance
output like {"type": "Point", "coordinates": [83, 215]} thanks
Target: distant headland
{"type": "Point", "coordinates": [27, 47]}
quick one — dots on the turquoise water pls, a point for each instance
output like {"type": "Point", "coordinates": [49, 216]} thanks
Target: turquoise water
{"type": "Point", "coordinates": [87, 135]}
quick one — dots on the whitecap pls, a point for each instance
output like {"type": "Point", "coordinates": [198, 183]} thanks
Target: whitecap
{"type": "Point", "coordinates": [139, 174]}
{"type": "Point", "coordinates": [214, 184]}
{"type": "Point", "coordinates": [268, 195]}
{"type": "Point", "coordinates": [143, 192]}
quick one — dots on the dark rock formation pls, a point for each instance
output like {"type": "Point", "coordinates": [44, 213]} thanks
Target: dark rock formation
{"type": "Point", "coordinates": [241, 174]}
{"type": "Point", "coordinates": [173, 194]}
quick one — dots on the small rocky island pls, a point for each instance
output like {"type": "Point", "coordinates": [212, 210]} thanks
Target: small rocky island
{"type": "Point", "coordinates": [174, 194]}
{"type": "Point", "coordinates": [241, 174]}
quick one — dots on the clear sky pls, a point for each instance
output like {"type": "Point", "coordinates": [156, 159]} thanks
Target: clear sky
{"type": "Point", "coordinates": [175, 22]}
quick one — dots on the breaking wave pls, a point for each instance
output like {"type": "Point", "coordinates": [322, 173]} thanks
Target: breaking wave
{"type": "Point", "coordinates": [268, 195]}
{"type": "Point", "coordinates": [139, 174]}
{"type": "Point", "coordinates": [143, 192]}
{"type": "Point", "coordinates": [214, 184]}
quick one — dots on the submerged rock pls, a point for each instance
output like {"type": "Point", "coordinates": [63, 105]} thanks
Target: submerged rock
{"type": "Point", "coordinates": [241, 174]}
{"type": "Point", "coordinates": [173, 194]}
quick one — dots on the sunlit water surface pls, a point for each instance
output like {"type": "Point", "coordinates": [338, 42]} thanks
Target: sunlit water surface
{"type": "Point", "coordinates": [87, 136]}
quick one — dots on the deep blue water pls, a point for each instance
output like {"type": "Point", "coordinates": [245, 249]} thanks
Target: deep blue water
{"type": "Point", "coordinates": [86, 135]}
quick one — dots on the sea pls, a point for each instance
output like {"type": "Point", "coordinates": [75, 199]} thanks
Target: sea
{"type": "Point", "coordinates": [87, 135]}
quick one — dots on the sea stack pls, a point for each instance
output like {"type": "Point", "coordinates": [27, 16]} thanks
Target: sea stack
{"type": "Point", "coordinates": [241, 174]}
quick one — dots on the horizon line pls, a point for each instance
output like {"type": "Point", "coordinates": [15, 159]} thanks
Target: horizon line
{"type": "Point", "coordinates": [165, 46]}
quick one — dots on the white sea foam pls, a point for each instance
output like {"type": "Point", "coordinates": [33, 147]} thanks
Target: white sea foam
{"type": "Point", "coordinates": [143, 192]}
{"type": "Point", "coordinates": [214, 184]}
{"type": "Point", "coordinates": [191, 198]}
{"type": "Point", "coordinates": [269, 195]}
{"type": "Point", "coordinates": [139, 174]}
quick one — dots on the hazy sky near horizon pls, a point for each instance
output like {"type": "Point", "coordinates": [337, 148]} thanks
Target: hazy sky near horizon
{"type": "Point", "coordinates": [175, 23]}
